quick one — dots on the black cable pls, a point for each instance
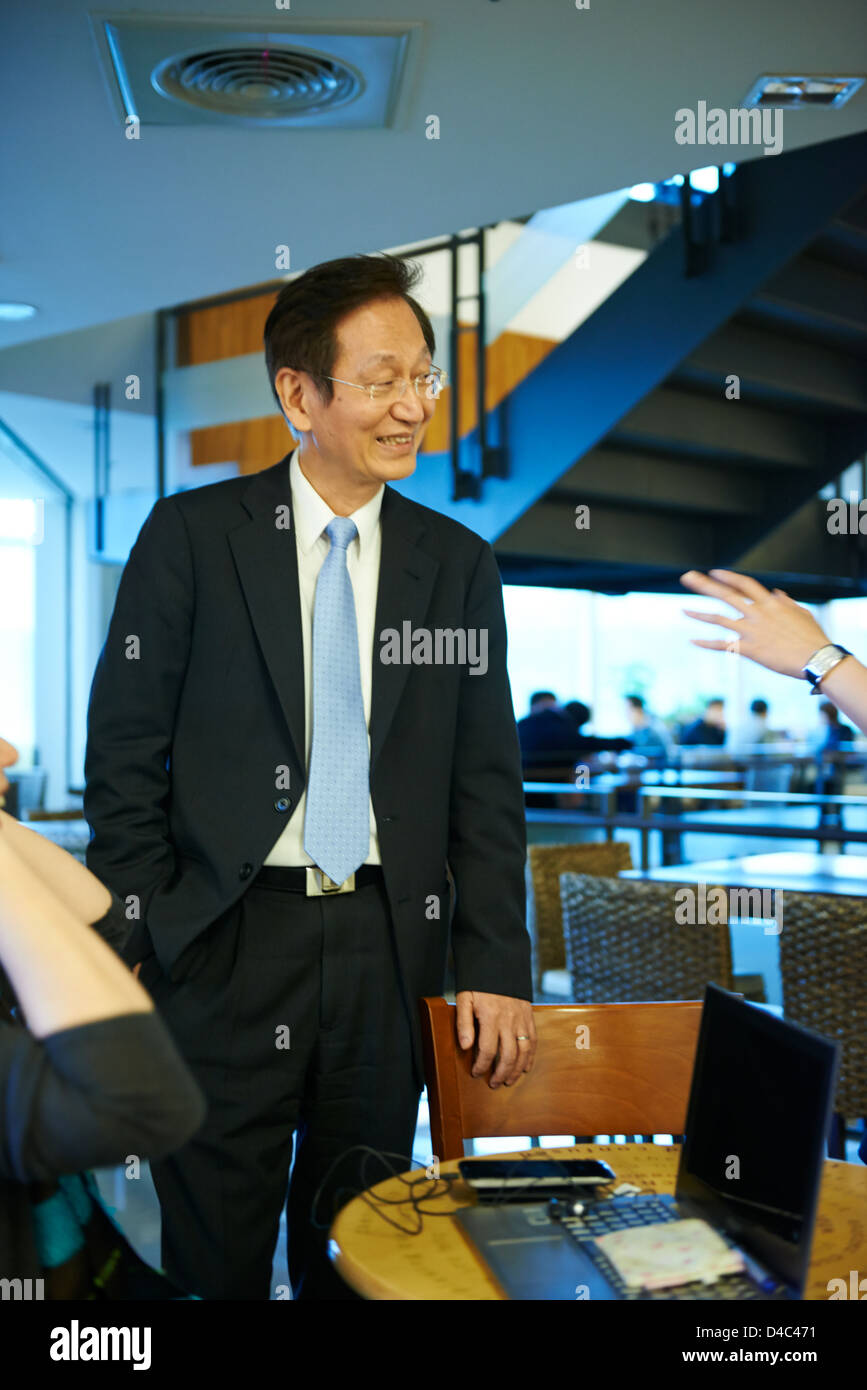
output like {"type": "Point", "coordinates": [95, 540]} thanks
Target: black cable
{"type": "Point", "coordinates": [376, 1202]}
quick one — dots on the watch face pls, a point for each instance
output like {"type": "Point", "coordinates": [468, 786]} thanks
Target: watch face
{"type": "Point", "coordinates": [823, 662]}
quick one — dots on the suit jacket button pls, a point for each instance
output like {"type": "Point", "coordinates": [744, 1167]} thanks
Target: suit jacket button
{"type": "Point", "coordinates": [245, 870]}
{"type": "Point", "coordinates": [283, 804]}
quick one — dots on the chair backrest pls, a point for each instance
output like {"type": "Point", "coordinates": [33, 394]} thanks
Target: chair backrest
{"type": "Point", "coordinates": [629, 940]}
{"type": "Point", "coordinates": [599, 1069]}
{"type": "Point", "coordinates": [823, 963]}
{"type": "Point", "coordinates": [545, 864]}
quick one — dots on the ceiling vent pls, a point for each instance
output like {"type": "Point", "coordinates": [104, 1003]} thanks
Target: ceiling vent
{"type": "Point", "coordinates": [170, 71]}
{"type": "Point", "coordinates": [262, 84]}
{"type": "Point", "coordinates": [791, 92]}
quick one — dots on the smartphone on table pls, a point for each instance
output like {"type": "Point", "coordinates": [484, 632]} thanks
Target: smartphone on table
{"type": "Point", "coordinates": [509, 1179]}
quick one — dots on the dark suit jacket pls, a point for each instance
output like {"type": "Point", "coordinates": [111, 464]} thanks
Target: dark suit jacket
{"type": "Point", "coordinates": [189, 727]}
{"type": "Point", "coordinates": [700, 733]}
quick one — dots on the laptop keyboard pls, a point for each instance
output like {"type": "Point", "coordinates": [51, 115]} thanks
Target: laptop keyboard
{"type": "Point", "coordinates": [621, 1214]}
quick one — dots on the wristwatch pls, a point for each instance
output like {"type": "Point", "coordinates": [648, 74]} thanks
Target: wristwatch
{"type": "Point", "coordinates": [821, 663]}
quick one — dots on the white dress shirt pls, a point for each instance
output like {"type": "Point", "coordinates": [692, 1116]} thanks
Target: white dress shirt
{"type": "Point", "coordinates": [310, 516]}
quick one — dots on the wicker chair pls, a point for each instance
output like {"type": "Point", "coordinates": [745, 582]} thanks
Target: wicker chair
{"type": "Point", "coordinates": [623, 942]}
{"type": "Point", "coordinates": [545, 864]}
{"type": "Point", "coordinates": [823, 962]}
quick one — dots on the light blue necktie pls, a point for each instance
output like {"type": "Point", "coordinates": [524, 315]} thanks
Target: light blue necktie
{"type": "Point", "coordinates": [337, 822]}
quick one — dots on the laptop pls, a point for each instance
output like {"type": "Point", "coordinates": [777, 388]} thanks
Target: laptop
{"type": "Point", "coordinates": [760, 1106]}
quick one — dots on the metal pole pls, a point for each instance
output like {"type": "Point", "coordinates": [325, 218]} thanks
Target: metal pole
{"type": "Point", "coordinates": [67, 617]}
{"type": "Point", "coordinates": [99, 427]}
{"type": "Point", "coordinates": [159, 401]}
{"type": "Point", "coordinates": [453, 371]}
{"type": "Point", "coordinates": [481, 357]}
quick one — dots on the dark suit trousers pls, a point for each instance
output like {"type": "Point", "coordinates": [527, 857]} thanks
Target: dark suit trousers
{"type": "Point", "coordinates": [318, 973]}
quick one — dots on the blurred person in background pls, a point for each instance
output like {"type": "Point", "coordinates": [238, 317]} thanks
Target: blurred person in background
{"type": "Point", "coordinates": [757, 729]}
{"type": "Point", "coordinates": [771, 777]}
{"type": "Point", "coordinates": [547, 735]}
{"type": "Point", "coordinates": [834, 737]}
{"type": "Point", "coordinates": [709, 728]}
{"type": "Point", "coordinates": [833, 733]}
{"type": "Point", "coordinates": [649, 735]}
{"type": "Point", "coordinates": [580, 714]}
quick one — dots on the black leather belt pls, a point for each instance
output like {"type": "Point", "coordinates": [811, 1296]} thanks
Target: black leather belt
{"type": "Point", "coordinates": [313, 882]}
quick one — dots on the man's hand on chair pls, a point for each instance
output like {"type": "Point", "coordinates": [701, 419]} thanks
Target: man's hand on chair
{"type": "Point", "coordinates": [505, 1031]}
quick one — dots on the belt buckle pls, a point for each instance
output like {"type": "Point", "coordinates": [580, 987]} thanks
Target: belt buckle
{"type": "Point", "coordinates": [320, 885]}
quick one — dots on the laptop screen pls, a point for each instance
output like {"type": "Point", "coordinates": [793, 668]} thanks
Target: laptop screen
{"type": "Point", "coordinates": [759, 1111]}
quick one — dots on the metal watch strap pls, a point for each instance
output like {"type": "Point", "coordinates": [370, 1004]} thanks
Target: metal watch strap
{"type": "Point", "coordinates": [822, 663]}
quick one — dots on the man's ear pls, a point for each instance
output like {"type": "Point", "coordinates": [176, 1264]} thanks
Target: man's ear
{"type": "Point", "coordinates": [295, 433]}
{"type": "Point", "coordinates": [292, 389]}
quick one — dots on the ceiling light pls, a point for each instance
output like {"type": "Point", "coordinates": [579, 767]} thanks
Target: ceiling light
{"type": "Point", "coordinates": [705, 180]}
{"type": "Point", "coordinates": [12, 312]}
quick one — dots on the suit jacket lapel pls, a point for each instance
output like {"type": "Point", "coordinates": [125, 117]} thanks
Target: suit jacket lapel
{"type": "Point", "coordinates": [406, 579]}
{"type": "Point", "coordinates": [267, 564]}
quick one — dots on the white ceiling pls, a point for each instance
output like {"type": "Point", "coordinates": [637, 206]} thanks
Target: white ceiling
{"type": "Point", "coordinates": [539, 104]}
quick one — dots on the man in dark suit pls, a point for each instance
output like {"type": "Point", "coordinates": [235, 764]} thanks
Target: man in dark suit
{"type": "Point", "coordinates": [547, 736]}
{"type": "Point", "coordinates": [299, 723]}
{"type": "Point", "coordinates": [709, 728]}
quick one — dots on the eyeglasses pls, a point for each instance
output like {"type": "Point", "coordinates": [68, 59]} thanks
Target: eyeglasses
{"type": "Point", "coordinates": [431, 383]}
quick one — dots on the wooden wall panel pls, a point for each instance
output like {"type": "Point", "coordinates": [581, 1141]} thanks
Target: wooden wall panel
{"type": "Point", "coordinates": [223, 330]}
{"type": "Point", "coordinates": [251, 444]}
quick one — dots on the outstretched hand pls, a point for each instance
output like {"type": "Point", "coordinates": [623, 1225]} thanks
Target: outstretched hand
{"type": "Point", "coordinates": [772, 630]}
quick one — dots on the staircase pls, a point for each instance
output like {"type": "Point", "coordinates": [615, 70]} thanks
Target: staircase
{"type": "Point", "coordinates": [698, 417]}
{"type": "Point", "coordinates": [693, 478]}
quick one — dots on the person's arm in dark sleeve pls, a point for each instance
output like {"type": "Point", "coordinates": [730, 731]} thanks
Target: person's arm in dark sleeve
{"type": "Point", "coordinates": [132, 709]}
{"type": "Point", "coordinates": [487, 829]}
{"type": "Point", "coordinates": [92, 1096]}
{"type": "Point", "coordinates": [95, 1069]}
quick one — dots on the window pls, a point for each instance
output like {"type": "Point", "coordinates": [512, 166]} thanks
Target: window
{"type": "Point", "coordinates": [18, 525]}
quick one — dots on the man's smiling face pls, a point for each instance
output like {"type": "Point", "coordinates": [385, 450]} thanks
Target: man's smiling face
{"type": "Point", "coordinates": [351, 440]}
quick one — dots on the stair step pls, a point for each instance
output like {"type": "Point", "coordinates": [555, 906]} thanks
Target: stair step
{"type": "Point", "coordinates": [662, 482]}
{"type": "Point", "coordinates": [827, 297]}
{"type": "Point", "coordinates": [679, 422]}
{"type": "Point", "coordinates": [774, 366]}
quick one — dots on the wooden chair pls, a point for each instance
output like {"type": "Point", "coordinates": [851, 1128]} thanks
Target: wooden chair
{"type": "Point", "coordinates": [630, 1074]}
{"type": "Point", "coordinates": [545, 864]}
{"type": "Point", "coordinates": [624, 942]}
{"type": "Point", "coordinates": [823, 963]}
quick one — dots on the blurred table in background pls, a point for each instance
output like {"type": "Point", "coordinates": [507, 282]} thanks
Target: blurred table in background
{"type": "Point", "coordinates": [792, 872]}
{"type": "Point", "coordinates": [71, 835]}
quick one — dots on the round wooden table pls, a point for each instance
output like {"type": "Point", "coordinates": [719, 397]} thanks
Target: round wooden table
{"type": "Point", "coordinates": [381, 1262]}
